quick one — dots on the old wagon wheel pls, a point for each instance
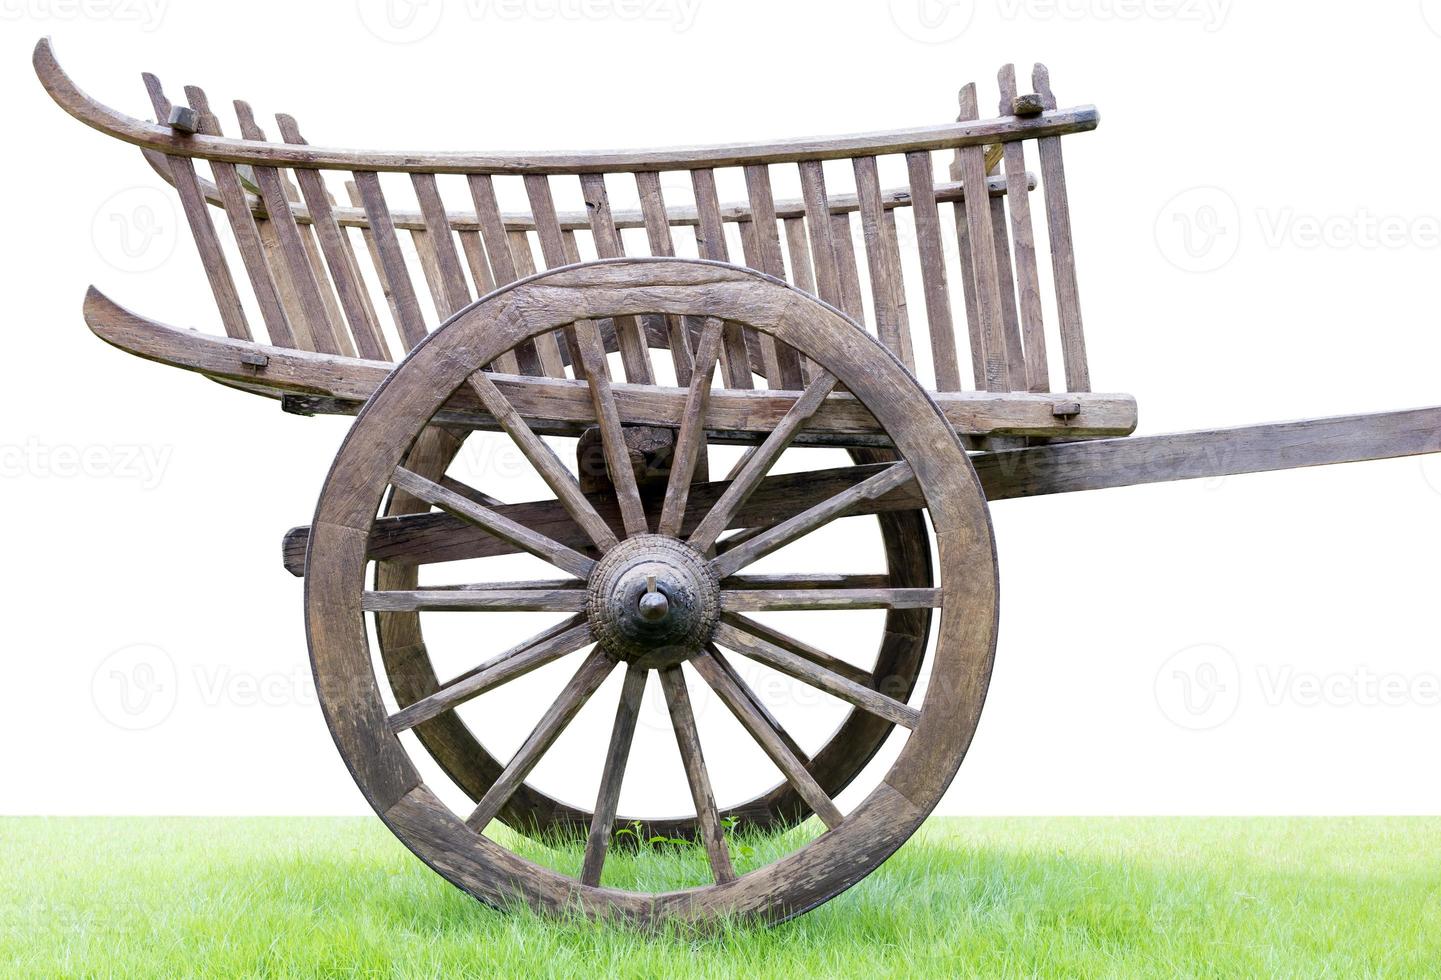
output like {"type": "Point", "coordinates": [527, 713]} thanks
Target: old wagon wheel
{"type": "Point", "coordinates": [653, 600]}
{"type": "Point", "coordinates": [413, 677]}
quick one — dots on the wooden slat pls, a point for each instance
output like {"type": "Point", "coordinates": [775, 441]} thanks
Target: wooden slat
{"type": "Point", "coordinates": [502, 261]}
{"type": "Point", "coordinates": [1023, 243]}
{"type": "Point", "coordinates": [711, 241]}
{"type": "Point", "coordinates": [242, 225]}
{"type": "Point", "coordinates": [766, 234]}
{"type": "Point", "coordinates": [982, 246]}
{"type": "Point", "coordinates": [452, 277]}
{"type": "Point", "coordinates": [367, 236]}
{"type": "Point", "coordinates": [484, 279]}
{"type": "Point", "coordinates": [818, 227]}
{"type": "Point", "coordinates": [788, 599]}
{"type": "Point", "coordinates": [316, 260]}
{"type": "Point", "coordinates": [657, 229]}
{"type": "Point", "coordinates": [634, 351]}
{"type": "Point", "coordinates": [846, 269]}
{"type": "Point", "coordinates": [338, 256]}
{"type": "Point", "coordinates": [553, 251]}
{"type": "Point", "coordinates": [1006, 282]}
{"type": "Point", "coordinates": [893, 249]}
{"type": "Point", "coordinates": [933, 272]}
{"type": "Point", "coordinates": [202, 230]}
{"type": "Point", "coordinates": [1063, 255]}
{"type": "Point", "coordinates": [409, 321]}
{"type": "Point", "coordinates": [430, 271]}
{"type": "Point", "coordinates": [885, 274]}
{"type": "Point", "coordinates": [312, 307]}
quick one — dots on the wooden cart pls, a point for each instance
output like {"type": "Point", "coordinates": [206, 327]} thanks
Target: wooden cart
{"type": "Point", "coordinates": [799, 340]}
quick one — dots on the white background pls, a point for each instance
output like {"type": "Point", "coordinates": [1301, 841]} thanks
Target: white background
{"type": "Point", "coordinates": [1305, 601]}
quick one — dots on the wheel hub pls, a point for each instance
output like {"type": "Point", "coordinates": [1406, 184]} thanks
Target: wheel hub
{"type": "Point", "coordinates": [653, 601]}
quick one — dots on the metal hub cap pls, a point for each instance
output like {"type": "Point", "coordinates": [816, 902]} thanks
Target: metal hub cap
{"type": "Point", "coordinates": [653, 601]}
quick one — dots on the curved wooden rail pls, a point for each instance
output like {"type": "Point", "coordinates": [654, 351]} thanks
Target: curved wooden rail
{"type": "Point", "coordinates": [69, 96]}
{"type": "Point", "coordinates": [276, 371]}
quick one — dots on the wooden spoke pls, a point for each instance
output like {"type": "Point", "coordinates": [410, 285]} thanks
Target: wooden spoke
{"type": "Point", "coordinates": [892, 477]}
{"type": "Point", "coordinates": [682, 719]}
{"type": "Point", "coordinates": [603, 820]}
{"type": "Point", "coordinates": [514, 663]}
{"type": "Point", "coordinates": [555, 474]}
{"type": "Point", "coordinates": [759, 705]}
{"type": "Point", "coordinates": [800, 668]}
{"type": "Point", "coordinates": [470, 493]}
{"type": "Point", "coordinates": [795, 771]}
{"type": "Point", "coordinates": [523, 646]}
{"type": "Point", "coordinates": [761, 600]}
{"type": "Point", "coordinates": [689, 441]}
{"type": "Point", "coordinates": [760, 462]}
{"type": "Point", "coordinates": [475, 600]}
{"type": "Point", "coordinates": [570, 700]}
{"type": "Point", "coordinates": [562, 556]}
{"type": "Point", "coordinates": [617, 455]}
{"type": "Point", "coordinates": [818, 580]}
{"type": "Point", "coordinates": [820, 658]}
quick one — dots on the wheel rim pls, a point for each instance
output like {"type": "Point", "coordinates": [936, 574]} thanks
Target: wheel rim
{"type": "Point", "coordinates": [931, 456]}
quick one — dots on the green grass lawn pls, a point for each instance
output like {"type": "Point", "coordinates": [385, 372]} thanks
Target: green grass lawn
{"type": "Point", "coordinates": [1023, 897]}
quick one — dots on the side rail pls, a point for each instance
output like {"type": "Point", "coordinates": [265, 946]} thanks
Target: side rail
{"type": "Point", "coordinates": [825, 214]}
